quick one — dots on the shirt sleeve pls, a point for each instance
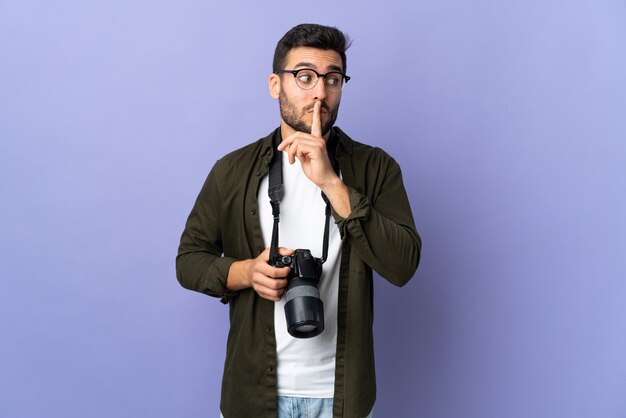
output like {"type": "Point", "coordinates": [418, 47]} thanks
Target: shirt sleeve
{"type": "Point", "coordinates": [200, 264]}
{"type": "Point", "coordinates": [381, 227]}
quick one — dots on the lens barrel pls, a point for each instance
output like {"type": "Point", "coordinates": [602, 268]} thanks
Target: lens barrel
{"type": "Point", "coordinates": [304, 311]}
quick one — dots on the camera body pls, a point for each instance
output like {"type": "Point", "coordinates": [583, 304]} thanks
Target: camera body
{"type": "Point", "coordinates": [304, 310]}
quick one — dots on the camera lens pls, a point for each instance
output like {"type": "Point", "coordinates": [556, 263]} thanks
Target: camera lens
{"type": "Point", "coordinates": [306, 328]}
{"type": "Point", "coordinates": [304, 310]}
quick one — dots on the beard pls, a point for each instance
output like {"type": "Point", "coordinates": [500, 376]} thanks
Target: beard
{"type": "Point", "coordinates": [295, 119]}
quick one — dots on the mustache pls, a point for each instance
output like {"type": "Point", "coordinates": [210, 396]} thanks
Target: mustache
{"type": "Point", "coordinates": [323, 106]}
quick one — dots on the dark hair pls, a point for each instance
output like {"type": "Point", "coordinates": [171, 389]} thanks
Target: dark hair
{"type": "Point", "coordinates": [311, 35]}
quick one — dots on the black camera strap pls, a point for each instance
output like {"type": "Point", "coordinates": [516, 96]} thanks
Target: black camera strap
{"type": "Point", "coordinates": [276, 190]}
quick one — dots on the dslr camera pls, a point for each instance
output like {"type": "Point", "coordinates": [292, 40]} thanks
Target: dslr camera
{"type": "Point", "coordinates": [304, 310]}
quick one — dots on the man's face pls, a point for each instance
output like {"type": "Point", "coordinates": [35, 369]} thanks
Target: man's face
{"type": "Point", "coordinates": [296, 104]}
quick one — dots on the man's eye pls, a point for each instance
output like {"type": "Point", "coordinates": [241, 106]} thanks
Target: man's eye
{"type": "Point", "coordinates": [333, 81]}
{"type": "Point", "coordinates": [305, 78]}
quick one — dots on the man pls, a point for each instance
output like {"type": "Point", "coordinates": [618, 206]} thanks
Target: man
{"type": "Point", "coordinates": [224, 247]}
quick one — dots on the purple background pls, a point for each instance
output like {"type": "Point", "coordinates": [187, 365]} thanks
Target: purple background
{"type": "Point", "coordinates": [508, 119]}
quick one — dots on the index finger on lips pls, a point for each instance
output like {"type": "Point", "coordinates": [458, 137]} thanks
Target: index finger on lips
{"type": "Point", "coordinates": [316, 123]}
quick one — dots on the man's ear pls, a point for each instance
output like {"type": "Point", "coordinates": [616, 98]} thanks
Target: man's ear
{"type": "Point", "coordinates": [274, 85]}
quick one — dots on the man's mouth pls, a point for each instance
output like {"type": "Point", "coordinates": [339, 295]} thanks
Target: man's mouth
{"type": "Point", "coordinates": [323, 108]}
{"type": "Point", "coordinates": [323, 112]}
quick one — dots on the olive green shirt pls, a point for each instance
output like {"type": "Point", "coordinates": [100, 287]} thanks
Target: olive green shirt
{"type": "Point", "coordinates": [223, 227]}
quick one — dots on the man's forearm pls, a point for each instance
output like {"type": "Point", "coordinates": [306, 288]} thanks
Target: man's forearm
{"type": "Point", "coordinates": [239, 275]}
{"type": "Point", "coordinates": [388, 243]}
{"type": "Point", "coordinates": [339, 197]}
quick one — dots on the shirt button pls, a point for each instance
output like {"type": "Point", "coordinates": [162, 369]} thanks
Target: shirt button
{"type": "Point", "coordinates": [258, 173]}
{"type": "Point", "coordinates": [270, 369]}
{"type": "Point", "coordinates": [268, 328]}
{"type": "Point", "coordinates": [253, 212]}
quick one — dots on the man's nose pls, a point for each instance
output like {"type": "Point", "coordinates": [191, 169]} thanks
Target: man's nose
{"type": "Point", "coordinates": [319, 90]}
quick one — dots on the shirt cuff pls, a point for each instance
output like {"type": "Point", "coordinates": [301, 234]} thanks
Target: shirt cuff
{"type": "Point", "coordinates": [221, 266]}
{"type": "Point", "coordinates": [360, 211]}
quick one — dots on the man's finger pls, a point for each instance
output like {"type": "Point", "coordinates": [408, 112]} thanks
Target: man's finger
{"type": "Point", "coordinates": [285, 251]}
{"type": "Point", "coordinates": [316, 123]}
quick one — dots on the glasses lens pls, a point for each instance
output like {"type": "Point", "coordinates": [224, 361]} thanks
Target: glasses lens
{"type": "Point", "coordinates": [306, 79]}
{"type": "Point", "coordinates": [334, 81]}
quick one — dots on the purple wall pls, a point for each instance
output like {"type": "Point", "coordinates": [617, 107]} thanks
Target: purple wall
{"type": "Point", "coordinates": [509, 122]}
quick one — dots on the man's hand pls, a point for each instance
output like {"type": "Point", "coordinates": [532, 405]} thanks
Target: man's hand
{"type": "Point", "coordinates": [268, 281]}
{"type": "Point", "coordinates": [310, 149]}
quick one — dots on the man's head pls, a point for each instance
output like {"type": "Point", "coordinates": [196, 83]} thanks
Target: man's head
{"type": "Point", "coordinates": [314, 36]}
{"type": "Point", "coordinates": [314, 47]}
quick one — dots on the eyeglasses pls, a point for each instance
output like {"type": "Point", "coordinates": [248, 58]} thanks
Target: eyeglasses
{"type": "Point", "coordinates": [306, 79]}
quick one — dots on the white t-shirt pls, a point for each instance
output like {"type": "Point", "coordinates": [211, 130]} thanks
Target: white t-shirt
{"type": "Point", "coordinates": [306, 367]}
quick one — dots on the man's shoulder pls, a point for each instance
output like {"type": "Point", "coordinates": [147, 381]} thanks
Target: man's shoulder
{"type": "Point", "coordinates": [252, 149]}
{"type": "Point", "coordinates": [361, 152]}
{"type": "Point", "coordinates": [247, 153]}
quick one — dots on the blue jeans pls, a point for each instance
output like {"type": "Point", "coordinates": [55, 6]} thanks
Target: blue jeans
{"type": "Point", "coordinates": [291, 407]}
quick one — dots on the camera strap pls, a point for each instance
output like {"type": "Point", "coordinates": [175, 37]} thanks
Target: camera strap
{"type": "Point", "coordinates": [276, 190]}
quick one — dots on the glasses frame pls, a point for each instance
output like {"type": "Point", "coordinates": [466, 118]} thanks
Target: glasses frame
{"type": "Point", "coordinates": [319, 75]}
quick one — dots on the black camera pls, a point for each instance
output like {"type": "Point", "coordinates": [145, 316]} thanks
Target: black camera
{"type": "Point", "coordinates": [304, 309]}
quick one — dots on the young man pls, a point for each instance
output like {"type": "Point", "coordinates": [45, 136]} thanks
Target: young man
{"type": "Point", "coordinates": [224, 250]}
